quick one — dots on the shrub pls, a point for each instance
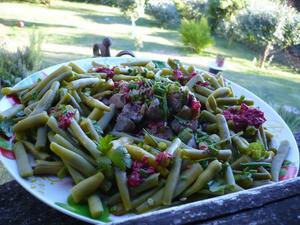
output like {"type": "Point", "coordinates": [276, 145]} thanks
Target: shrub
{"type": "Point", "coordinates": [191, 9]}
{"type": "Point", "coordinates": [17, 65]}
{"type": "Point", "coordinates": [271, 27]}
{"type": "Point", "coordinates": [196, 34]}
{"type": "Point", "coordinates": [219, 10]}
{"type": "Point", "coordinates": [164, 12]}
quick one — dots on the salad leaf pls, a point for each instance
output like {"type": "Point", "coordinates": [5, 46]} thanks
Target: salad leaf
{"type": "Point", "coordinates": [104, 163]}
{"type": "Point", "coordinates": [120, 157]}
{"type": "Point", "coordinates": [104, 144]}
{"type": "Point", "coordinates": [6, 127]}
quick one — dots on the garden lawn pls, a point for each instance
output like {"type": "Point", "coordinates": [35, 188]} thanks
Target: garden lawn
{"type": "Point", "coordinates": [71, 28]}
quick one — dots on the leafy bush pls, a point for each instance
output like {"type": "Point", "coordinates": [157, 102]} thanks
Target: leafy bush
{"type": "Point", "coordinates": [196, 34]}
{"type": "Point", "coordinates": [219, 10]}
{"type": "Point", "coordinates": [17, 65]}
{"type": "Point", "coordinates": [132, 8]}
{"type": "Point", "coordinates": [164, 12]}
{"type": "Point", "coordinates": [191, 9]}
{"type": "Point", "coordinates": [267, 26]}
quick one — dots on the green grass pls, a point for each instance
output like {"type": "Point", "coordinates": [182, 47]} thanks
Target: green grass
{"type": "Point", "coordinates": [72, 28]}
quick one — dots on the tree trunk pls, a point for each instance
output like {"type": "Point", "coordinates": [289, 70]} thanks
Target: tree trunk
{"type": "Point", "coordinates": [133, 26]}
{"type": "Point", "coordinates": [264, 56]}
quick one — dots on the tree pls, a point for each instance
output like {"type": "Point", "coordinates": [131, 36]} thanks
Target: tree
{"type": "Point", "coordinates": [134, 9]}
{"type": "Point", "coordinates": [270, 27]}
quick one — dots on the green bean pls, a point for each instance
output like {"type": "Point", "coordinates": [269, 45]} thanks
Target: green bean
{"type": "Point", "coordinates": [63, 100]}
{"type": "Point", "coordinates": [76, 176]}
{"type": "Point", "coordinates": [204, 91]}
{"type": "Point", "coordinates": [11, 112]}
{"type": "Point", "coordinates": [221, 92]}
{"type": "Point", "coordinates": [173, 146]}
{"type": "Point", "coordinates": [124, 77]}
{"type": "Point", "coordinates": [227, 101]}
{"type": "Point", "coordinates": [255, 164]}
{"type": "Point", "coordinates": [121, 181]}
{"type": "Point", "coordinates": [211, 104]}
{"type": "Point", "coordinates": [244, 180]}
{"type": "Point", "coordinates": [95, 205]}
{"type": "Point", "coordinates": [22, 160]}
{"type": "Point", "coordinates": [31, 122]}
{"type": "Point", "coordinates": [142, 198]}
{"type": "Point", "coordinates": [28, 109]}
{"type": "Point", "coordinates": [53, 125]}
{"type": "Point", "coordinates": [63, 172]}
{"type": "Point", "coordinates": [172, 179]}
{"type": "Point", "coordinates": [223, 130]}
{"type": "Point", "coordinates": [240, 144]}
{"type": "Point", "coordinates": [40, 85]}
{"type": "Point", "coordinates": [94, 103]}
{"type": "Point", "coordinates": [84, 139]}
{"type": "Point", "coordinates": [16, 90]}
{"type": "Point", "coordinates": [123, 134]}
{"type": "Point", "coordinates": [75, 104]}
{"type": "Point", "coordinates": [192, 82]}
{"type": "Point", "coordinates": [86, 187]}
{"type": "Point", "coordinates": [76, 68]}
{"type": "Point", "coordinates": [213, 168]}
{"type": "Point", "coordinates": [220, 79]}
{"type": "Point", "coordinates": [229, 175]}
{"type": "Point", "coordinates": [207, 116]}
{"type": "Point", "coordinates": [73, 159]}
{"type": "Point", "coordinates": [44, 103]}
{"type": "Point", "coordinates": [107, 117]}
{"type": "Point", "coordinates": [269, 135]}
{"type": "Point", "coordinates": [212, 80]}
{"type": "Point", "coordinates": [91, 129]}
{"type": "Point", "coordinates": [237, 164]}
{"type": "Point", "coordinates": [66, 144]}
{"type": "Point", "coordinates": [212, 128]}
{"type": "Point", "coordinates": [96, 114]}
{"type": "Point", "coordinates": [102, 94]}
{"type": "Point", "coordinates": [187, 178]}
{"type": "Point", "coordinates": [82, 83]}
{"type": "Point", "coordinates": [138, 154]}
{"type": "Point", "coordinates": [47, 167]}
{"type": "Point", "coordinates": [152, 202]}
{"type": "Point", "coordinates": [136, 63]}
{"type": "Point", "coordinates": [37, 155]}
{"type": "Point", "coordinates": [278, 159]}
{"type": "Point", "coordinates": [201, 98]}
{"type": "Point", "coordinates": [41, 139]}
{"type": "Point", "coordinates": [261, 176]}
{"type": "Point", "coordinates": [50, 83]}
{"type": "Point", "coordinates": [263, 137]}
{"type": "Point", "coordinates": [76, 96]}
{"type": "Point", "coordinates": [148, 183]}
{"type": "Point", "coordinates": [224, 154]}
{"type": "Point", "coordinates": [272, 145]}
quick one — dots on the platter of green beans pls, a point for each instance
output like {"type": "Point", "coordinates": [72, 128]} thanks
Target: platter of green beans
{"type": "Point", "coordinates": [107, 139]}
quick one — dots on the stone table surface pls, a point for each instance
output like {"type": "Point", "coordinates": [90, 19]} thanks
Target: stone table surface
{"type": "Point", "coordinates": [272, 204]}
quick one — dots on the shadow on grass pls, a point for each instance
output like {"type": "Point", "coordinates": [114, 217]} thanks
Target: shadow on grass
{"type": "Point", "coordinates": [14, 23]}
{"type": "Point", "coordinates": [118, 43]}
{"type": "Point", "coordinates": [117, 19]}
{"type": "Point", "coordinates": [272, 90]}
